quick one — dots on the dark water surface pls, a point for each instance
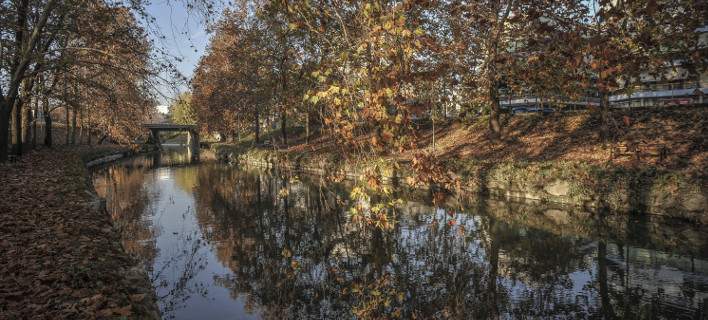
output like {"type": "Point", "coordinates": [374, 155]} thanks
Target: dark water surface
{"type": "Point", "coordinates": [221, 242]}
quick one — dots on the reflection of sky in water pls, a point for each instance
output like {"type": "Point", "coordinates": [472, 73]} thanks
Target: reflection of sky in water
{"type": "Point", "coordinates": [163, 173]}
{"type": "Point", "coordinates": [182, 247]}
{"type": "Point", "coordinates": [196, 281]}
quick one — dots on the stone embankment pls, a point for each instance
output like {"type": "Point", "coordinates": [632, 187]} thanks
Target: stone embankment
{"type": "Point", "coordinates": [592, 187]}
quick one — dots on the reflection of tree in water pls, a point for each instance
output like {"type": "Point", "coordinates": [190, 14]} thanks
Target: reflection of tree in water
{"type": "Point", "coordinates": [173, 294]}
{"type": "Point", "coordinates": [127, 199]}
{"type": "Point", "coordinates": [294, 252]}
{"type": "Point", "coordinates": [131, 200]}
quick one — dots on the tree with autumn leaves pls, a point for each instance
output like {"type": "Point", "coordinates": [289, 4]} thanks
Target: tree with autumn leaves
{"type": "Point", "coordinates": [366, 71]}
{"type": "Point", "coordinates": [253, 73]}
{"type": "Point", "coordinates": [90, 59]}
{"type": "Point", "coordinates": [628, 41]}
{"type": "Point", "coordinates": [351, 68]}
{"type": "Point", "coordinates": [368, 67]}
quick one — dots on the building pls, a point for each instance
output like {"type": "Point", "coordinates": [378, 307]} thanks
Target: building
{"type": "Point", "coordinates": [676, 87]}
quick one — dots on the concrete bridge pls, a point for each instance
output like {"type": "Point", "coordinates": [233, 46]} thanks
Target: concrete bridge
{"type": "Point", "coordinates": [192, 134]}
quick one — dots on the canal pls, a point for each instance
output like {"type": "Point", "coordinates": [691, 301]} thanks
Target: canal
{"type": "Point", "coordinates": [222, 242]}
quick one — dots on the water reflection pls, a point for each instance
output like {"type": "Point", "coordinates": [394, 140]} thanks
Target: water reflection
{"type": "Point", "coordinates": [227, 243]}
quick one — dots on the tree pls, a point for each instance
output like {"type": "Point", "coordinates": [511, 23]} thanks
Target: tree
{"type": "Point", "coordinates": [94, 62]}
{"type": "Point", "coordinates": [512, 45]}
{"type": "Point", "coordinates": [182, 111]}
{"type": "Point", "coordinates": [233, 84]}
{"type": "Point", "coordinates": [367, 58]}
{"type": "Point", "coordinates": [25, 27]}
{"type": "Point", "coordinates": [628, 41]}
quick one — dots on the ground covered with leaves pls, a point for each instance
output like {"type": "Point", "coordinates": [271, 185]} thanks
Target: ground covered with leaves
{"type": "Point", "coordinates": [674, 138]}
{"type": "Point", "coordinates": [60, 256]}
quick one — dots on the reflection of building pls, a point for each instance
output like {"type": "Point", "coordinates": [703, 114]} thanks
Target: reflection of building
{"type": "Point", "coordinates": [667, 281]}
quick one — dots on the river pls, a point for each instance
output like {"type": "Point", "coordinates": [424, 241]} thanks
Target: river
{"type": "Point", "coordinates": [222, 242]}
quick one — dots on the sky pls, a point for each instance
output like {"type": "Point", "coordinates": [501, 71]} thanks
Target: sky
{"type": "Point", "coordinates": [185, 39]}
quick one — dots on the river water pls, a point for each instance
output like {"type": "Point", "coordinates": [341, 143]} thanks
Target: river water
{"type": "Point", "coordinates": [222, 242]}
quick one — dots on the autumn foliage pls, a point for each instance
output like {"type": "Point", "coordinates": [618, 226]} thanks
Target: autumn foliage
{"type": "Point", "coordinates": [374, 67]}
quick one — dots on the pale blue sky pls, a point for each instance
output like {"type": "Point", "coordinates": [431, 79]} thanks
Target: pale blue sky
{"type": "Point", "coordinates": [185, 38]}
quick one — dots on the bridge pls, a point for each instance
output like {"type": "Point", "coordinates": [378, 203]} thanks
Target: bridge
{"type": "Point", "coordinates": [192, 134]}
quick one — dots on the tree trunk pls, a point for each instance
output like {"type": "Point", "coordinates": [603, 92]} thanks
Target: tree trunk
{"type": "Point", "coordinates": [88, 131]}
{"type": "Point", "coordinates": [605, 117]}
{"type": "Point", "coordinates": [47, 129]}
{"type": "Point", "coordinates": [66, 125]}
{"type": "Point", "coordinates": [27, 121]}
{"type": "Point", "coordinates": [47, 122]}
{"type": "Point", "coordinates": [283, 123]}
{"type": "Point", "coordinates": [18, 126]}
{"type": "Point", "coordinates": [11, 134]}
{"type": "Point", "coordinates": [81, 127]}
{"type": "Point", "coordinates": [34, 122]}
{"type": "Point", "coordinates": [284, 87]}
{"type": "Point", "coordinates": [17, 112]}
{"type": "Point", "coordinates": [307, 127]}
{"type": "Point", "coordinates": [73, 126]}
{"type": "Point", "coordinates": [257, 127]}
{"type": "Point", "coordinates": [494, 114]}
{"type": "Point", "coordinates": [4, 130]}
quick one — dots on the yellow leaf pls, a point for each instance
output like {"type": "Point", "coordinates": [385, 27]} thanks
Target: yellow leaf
{"type": "Point", "coordinates": [389, 92]}
{"type": "Point", "coordinates": [398, 119]}
{"type": "Point", "coordinates": [286, 253]}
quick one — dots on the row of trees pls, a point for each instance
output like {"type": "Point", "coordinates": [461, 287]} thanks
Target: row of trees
{"type": "Point", "coordinates": [254, 69]}
{"type": "Point", "coordinates": [358, 67]}
{"type": "Point", "coordinates": [87, 60]}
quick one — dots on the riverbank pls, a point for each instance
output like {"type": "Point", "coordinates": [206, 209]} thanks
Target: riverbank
{"type": "Point", "coordinates": [654, 164]}
{"type": "Point", "coordinates": [61, 256]}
